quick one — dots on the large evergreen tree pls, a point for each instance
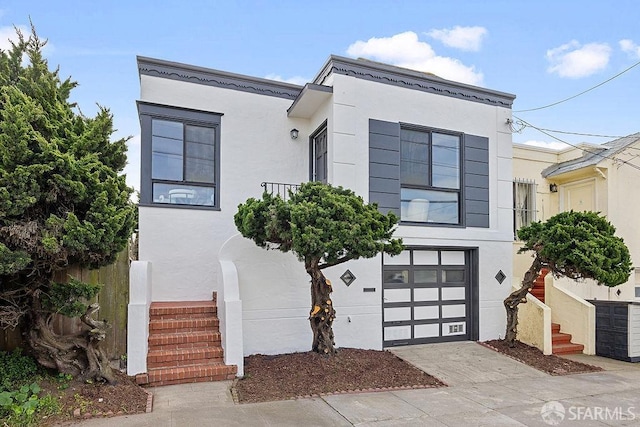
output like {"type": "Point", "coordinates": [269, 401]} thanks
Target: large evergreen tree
{"type": "Point", "coordinates": [577, 245]}
{"type": "Point", "coordinates": [324, 226]}
{"type": "Point", "coordinates": [63, 203]}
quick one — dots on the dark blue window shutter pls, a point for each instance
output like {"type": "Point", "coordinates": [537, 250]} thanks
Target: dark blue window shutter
{"type": "Point", "coordinates": [384, 165]}
{"type": "Point", "coordinates": [476, 181]}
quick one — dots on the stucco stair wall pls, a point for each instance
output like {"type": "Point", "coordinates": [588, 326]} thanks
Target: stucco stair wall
{"type": "Point", "coordinates": [184, 344]}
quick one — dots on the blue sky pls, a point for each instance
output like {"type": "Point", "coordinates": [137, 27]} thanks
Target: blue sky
{"type": "Point", "coordinates": [541, 51]}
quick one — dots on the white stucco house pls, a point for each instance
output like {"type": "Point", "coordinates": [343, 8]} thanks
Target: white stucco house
{"type": "Point", "coordinates": [436, 152]}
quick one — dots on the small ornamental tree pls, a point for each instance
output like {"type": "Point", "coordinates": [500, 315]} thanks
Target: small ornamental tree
{"type": "Point", "coordinates": [577, 245]}
{"type": "Point", "coordinates": [324, 226]}
{"type": "Point", "coordinates": [63, 203]}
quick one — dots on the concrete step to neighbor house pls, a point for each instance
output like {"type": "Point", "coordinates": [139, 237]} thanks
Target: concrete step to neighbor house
{"type": "Point", "coordinates": [561, 342]}
{"type": "Point", "coordinates": [184, 344]}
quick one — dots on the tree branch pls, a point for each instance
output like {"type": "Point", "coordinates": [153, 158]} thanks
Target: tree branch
{"type": "Point", "coordinates": [336, 262]}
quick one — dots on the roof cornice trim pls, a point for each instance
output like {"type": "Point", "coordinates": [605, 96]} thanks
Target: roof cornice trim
{"type": "Point", "coordinates": [210, 77]}
{"type": "Point", "coordinates": [410, 79]}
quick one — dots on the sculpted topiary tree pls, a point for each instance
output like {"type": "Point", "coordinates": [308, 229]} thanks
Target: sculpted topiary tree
{"type": "Point", "coordinates": [324, 226]}
{"type": "Point", "coordinates": [577, 245]}
{"type": "Point", "coordinates": [62, 204]}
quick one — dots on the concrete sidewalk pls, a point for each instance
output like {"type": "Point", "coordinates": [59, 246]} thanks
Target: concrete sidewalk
{"type": "Point", "coordinates": [485, 389]}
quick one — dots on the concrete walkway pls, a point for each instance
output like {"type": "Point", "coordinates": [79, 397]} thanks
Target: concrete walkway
{"type": "Point", "coordinates": [485, 389]}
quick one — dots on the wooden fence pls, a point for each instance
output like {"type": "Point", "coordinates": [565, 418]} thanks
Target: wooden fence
{"type": "Point", "coordinates": [113, 299]}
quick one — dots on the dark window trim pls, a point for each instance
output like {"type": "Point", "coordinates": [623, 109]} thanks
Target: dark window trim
{"type": "Point", "coordinates": [460, 191]}
{"type": "Point", "coordinates": [147, 112]}
{"type": "Point", "coordinates": [312, 159]}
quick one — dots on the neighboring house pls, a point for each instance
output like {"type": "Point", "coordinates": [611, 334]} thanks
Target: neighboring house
{"type": "Point", "coordinates": [601, 178]}
{"type": "Point", "coordinates": [436, 152]}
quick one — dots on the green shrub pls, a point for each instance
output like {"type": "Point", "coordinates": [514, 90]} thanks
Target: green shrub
{"type": "Point", "coordinates": [18, 407]}
{"type": "Point", "coordinates": [16, 369]}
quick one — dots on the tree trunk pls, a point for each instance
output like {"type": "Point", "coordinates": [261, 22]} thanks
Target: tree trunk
{"type": "Point", "coordinates": [322, 313]}
{"type": "Point", "coordinates": [80, 355]}
{"type": "Point", "coordinates": [516, 297]}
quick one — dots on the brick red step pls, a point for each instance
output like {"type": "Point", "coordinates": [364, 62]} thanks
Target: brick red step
{"type": "Point", "coordinates": [181, 340]}
{"type": "Point", "coordinates": [184, 344]}
{"type": "Point", "coordinates": [183, 325]}
{"type": "Point", "coordinates": [184, 357]}
{"type": "Point", "coordinates": [182, 308]}
{"type": "Point", "coordinates": [560, 338]}
{"type": "Point", "coordinates": [561, 342]}
{"type": "Point", "coordinates": [567, 348]}
{"type": "Point", "coordinates": [187, 374]}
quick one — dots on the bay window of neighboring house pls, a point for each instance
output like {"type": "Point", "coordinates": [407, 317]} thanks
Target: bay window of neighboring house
{"type": "Point", "coordinates": [180, 157]}
{"type": "Point", "coordinates": [430, 176]}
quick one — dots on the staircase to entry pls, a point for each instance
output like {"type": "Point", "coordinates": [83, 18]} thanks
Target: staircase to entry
{"type": "Point", "coordinates": [560, 342]}
{"type": "Point", "coordinates": [184, 344]}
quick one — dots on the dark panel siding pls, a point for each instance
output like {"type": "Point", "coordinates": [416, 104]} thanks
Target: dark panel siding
{"type": "Point", "coordinates": [384, 165]}
{"type": "Point", "coordinates": [476, 181]}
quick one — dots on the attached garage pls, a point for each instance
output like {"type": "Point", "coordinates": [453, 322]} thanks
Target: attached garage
{"type": "Point", "coordinates": [430, 295]}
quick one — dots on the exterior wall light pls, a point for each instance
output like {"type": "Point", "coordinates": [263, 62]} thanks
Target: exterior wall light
{"type": "Point", "coordinates": [294, 133]}
{"type": "Point", "coordinates": [553, 188]}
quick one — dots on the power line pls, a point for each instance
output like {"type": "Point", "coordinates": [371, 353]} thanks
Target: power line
{"type": "Point", "coordinates": [581, 93]}
{"type": "Point", "coordinates": [580, 148]}
{"type": "Point", "coordinates": [523, 126]}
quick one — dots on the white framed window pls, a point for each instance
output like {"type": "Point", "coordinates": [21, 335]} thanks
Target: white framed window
{"type": "Point", "coordinates": [524, 204]}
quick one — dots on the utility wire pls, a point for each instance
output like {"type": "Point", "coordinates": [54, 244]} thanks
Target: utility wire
{"type": "Point", "coordinates": [580, 148]}
{"type": "Point", "coordinates": [522, 126]}
{"type": "Point", "coordinates": [581, 93]}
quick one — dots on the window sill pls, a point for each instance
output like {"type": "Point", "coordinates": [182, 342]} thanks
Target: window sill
{"type": "Point", "coordinates": [431, 224]}
{"type": "Point", "coordinates": [176, 206]}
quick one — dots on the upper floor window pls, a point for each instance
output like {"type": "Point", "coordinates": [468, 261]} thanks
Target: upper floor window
{"type": "Point", "coordinates": [180, 156]}
{"type": "Point", "coordinates": [319, 153]}
{"type": "Point", "coordinates": [524, 204]}
{"type": "Point", "coordinates": [429, 176]}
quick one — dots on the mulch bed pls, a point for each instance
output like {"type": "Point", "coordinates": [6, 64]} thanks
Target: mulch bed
{"type": "Point", "coordinates": [87, 400]}
{"type": "Point", "coordinates": [551, 364]}
{"type": "Point", "coordinates": [294, 375]}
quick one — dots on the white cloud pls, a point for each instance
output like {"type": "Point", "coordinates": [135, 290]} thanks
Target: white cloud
{"type": "Point", "coordinates": [9, 33]}
{"type": "Point", "coordinates": [630, 47]}
{"type": "Point", "coordinates": [405, 50]}
{"type": "Point", "coordinates": [574, 60]}
{"type": "Point", "coordinates": [552, 145]}
{"type": "Point", "coordinates": [296, 80]}
{"type": "Point", "coordinates": [132, 169]}
{"type": "Point", "coordinates": [465, 38]}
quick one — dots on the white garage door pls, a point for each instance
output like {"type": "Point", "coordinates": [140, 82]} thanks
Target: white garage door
{"type": "Point", "coordinates": [426, 297]}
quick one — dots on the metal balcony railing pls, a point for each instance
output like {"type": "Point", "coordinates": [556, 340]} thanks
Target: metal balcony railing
{"type": "Point", "coordinates": [279, 188]}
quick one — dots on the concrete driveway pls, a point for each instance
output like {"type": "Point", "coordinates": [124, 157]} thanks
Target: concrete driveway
{"type": "Point", "coordinates": [485, 389]}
